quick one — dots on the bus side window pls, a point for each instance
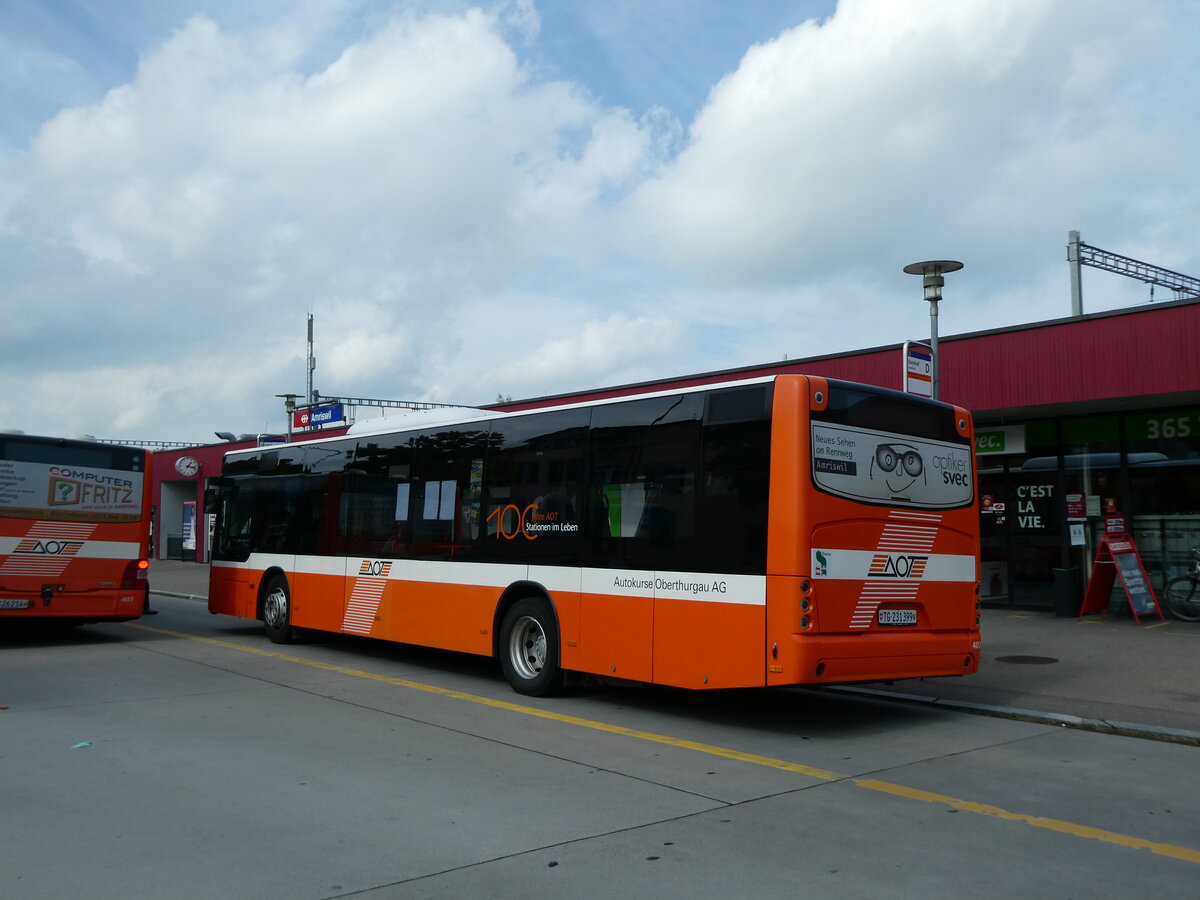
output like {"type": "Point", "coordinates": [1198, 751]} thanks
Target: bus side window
{"type": "Point", "coordinates": [644, 458]}
{"type": "Point", "coordinates": [532, 507]}
{"type": "Point", "coordinates": [446, 492]}
{"type": "Point", "coordinates": [733, 492]}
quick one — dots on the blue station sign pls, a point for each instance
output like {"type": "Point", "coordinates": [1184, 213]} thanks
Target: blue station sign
{"type": "Point", "coordinates": [316, 416]}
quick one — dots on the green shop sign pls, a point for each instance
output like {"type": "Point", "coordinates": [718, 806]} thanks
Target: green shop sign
{"type": "Point", "coordinates": [1000, 439]}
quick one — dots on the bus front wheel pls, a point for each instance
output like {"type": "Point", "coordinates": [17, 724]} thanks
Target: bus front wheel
{"type": "Point", "coordinates": [529, 648]}
{"type": "Point", "coordinates": [277, 611]}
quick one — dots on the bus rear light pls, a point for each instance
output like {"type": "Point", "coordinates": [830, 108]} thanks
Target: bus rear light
{"type": "Point", "coordinates": [805, 604]}
{"type": "Point", "coordinates": [805, 586]}
{"type": "Point", "coordinates": [135, 574]}
{"type": "Point", "coordinates": [805, 624]}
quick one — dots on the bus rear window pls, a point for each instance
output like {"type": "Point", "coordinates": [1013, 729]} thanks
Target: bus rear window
{"type": "Point", "coordinates": [891, 411]}
{"type": "Point", "coordinates": [885, 448]}
{"type": "Point", "coordinates": [62, 452]}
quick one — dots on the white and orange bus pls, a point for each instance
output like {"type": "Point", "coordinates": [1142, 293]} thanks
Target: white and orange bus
{"type": "Point", "coordinates": [74, 529]}
{"type": "Point", "coordinates": [774, 531]}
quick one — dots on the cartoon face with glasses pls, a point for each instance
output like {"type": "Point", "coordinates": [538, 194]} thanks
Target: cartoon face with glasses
{"type": "Point", "coordinates": [900, 465]}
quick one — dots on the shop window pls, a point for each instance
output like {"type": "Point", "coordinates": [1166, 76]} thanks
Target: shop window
{"type": "Point", "coordinates": [1163, 450]}
{"type": "Point", "coordinates": [1021, 531]}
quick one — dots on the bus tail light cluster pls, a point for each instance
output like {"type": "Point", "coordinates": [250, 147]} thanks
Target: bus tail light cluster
{"type": "Point", "coordinates": [135, 574]}
{"type": "Point", "coordinates": [806, 603]}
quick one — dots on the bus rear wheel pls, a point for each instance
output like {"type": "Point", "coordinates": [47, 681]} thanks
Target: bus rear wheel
{"type": "Point", "coordinates": [529, 648]}
{"type": "Point", "coordinates": [277, 612]}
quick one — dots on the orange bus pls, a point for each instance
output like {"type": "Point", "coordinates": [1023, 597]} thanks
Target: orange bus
{"type": "Point", "coordinates": [773, 531]}
{"type": "Point", "coordinates": [74, 529]}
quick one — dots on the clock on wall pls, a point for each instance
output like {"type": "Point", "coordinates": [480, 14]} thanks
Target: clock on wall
{"type": "Point", "coordinates": [187, 466]}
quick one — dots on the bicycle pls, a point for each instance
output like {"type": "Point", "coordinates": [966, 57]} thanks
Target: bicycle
{"type": "Point", "coordinates": [1182, 593]}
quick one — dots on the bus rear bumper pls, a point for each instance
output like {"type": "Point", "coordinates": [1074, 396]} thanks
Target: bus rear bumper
{"type": "Point", "coordinates": [831, 659]}
{"type": "Point", "coordinates": [85, 606]}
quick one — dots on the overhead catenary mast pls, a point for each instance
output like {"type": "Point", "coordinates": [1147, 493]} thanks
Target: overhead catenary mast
{"type": "Point", "coordinates": [1080, 254]}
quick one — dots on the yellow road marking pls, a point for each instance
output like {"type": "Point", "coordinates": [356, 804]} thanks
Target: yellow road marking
{"type": "Point", "coordinates": [1084, 831]}
{"type": "Point", "coordinates": [1186, 854]}
{"type": "Point", "coordinates": [710, 749]}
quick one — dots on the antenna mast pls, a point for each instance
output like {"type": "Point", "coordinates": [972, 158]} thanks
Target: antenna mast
{"type": "Point", "coordinates": [312, 361]}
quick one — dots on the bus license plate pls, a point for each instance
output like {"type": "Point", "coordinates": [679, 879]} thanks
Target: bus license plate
{"type": "Point", "coordinates": [11, 603]}
{"type": "Point", "coordinates": [897, 617]}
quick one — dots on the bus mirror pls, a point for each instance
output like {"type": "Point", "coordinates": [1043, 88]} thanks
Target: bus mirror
{"type": "Point", "coordinates": [212, 500]}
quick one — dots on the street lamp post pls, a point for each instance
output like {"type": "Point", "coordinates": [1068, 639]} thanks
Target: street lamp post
{"type": "Point", "coordinates": [932, 272]}
{"type": "Point", "coordinates": [289, 407]}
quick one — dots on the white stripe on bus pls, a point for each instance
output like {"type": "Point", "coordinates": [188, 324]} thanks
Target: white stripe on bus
{"type": "Point", "coordinates": [705, 587]}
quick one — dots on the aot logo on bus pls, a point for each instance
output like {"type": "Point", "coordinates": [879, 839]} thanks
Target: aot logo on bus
{"type": "Point", "coordinates": [885, 565]}
{"type": "Point", "coordinates": [49, 548]}
{"type": "Point", "coordinates": [374, 567]}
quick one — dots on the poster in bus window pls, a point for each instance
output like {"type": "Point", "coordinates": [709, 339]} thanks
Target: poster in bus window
{"type": "Point", "coordinates": [70, 493]}
{"type": "Point", "coordinates": [891, 469]}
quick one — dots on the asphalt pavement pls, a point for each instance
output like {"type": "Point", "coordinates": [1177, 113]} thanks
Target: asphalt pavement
{"type": "Point", "coordinates": [1104, 673]}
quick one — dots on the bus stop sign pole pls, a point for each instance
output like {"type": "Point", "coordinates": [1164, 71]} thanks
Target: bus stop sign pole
{"type": "Point", "coordinates": [932, 271]}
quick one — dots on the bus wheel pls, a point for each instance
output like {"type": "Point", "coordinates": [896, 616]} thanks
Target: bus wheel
{"type": "Point", "coordinates": [529, 648]}
{"type": "Point", "coordinates": [277, 612]}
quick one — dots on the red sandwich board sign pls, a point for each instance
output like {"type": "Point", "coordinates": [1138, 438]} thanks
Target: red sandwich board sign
{"type": "Point", "coordinates": [1117, 556]}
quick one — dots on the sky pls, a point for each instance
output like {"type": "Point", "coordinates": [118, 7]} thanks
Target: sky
{"type": "Point", "coordinates": [530, 197]}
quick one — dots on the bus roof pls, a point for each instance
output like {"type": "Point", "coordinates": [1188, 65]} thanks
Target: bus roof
{"type": "Point", "coordinates": [460, 415]}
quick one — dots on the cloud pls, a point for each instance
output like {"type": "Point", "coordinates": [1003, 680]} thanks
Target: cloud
{"type": "Point", "coordinates": [462, 225]}
{"type": "Point", "coordinates": [946, 120]}
{"type": "Point", "coordinates": [595, 351]}
{"type": "Point", "coordinates": [224, 191]}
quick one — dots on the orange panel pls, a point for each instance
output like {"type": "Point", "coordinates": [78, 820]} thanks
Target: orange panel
{"type": "Point", "coordinates": [708, 645]}
{"type": "Point", "coordinates": [318, 601]}
{"type": "Point", "coordinates": [450, 616]}
{"type": "Point", "coordinates": [789, 477]}
{"type": "Point", "coordinates": [566, 605]}
{"type": "Point", "coordinates": [233, 592]}
{"type": "Point", "coordinates": [616, 636]}
{"type": "Point", "coordinates": [783, 621]}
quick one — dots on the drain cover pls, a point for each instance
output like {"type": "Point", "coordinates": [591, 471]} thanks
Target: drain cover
{"type": "Point", "coordinates": [1027, 660]}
